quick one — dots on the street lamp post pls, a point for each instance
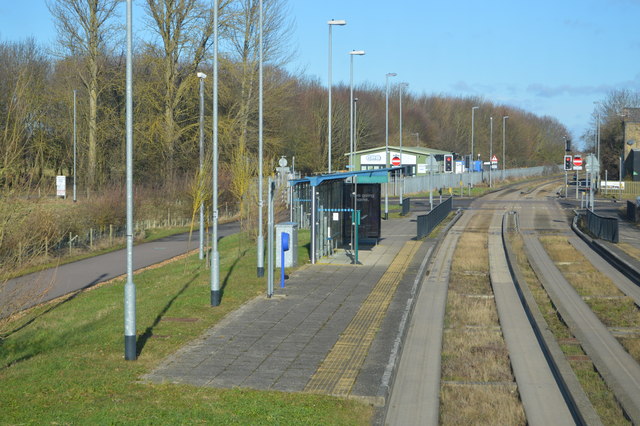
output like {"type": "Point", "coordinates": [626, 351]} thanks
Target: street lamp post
{"type": "Point", "coordinates": [402, 86]}
{"type": "Point", "coordinates": [417, 135]}
{"type": "Point", "coordinates": [215, 256]}
{"type": "Point", "coordinates": [490, 150]}
{"type": "Point", "coordinates": [473, 112]}
{"type": "Point", "coordinates": [260, 239]}
{"type": "Point", "coordinates": [201, 76]}
{"type": "Point", "coordinates": [386, 143]}
{"type": "Point", "coordinates": [130, 352]}
{"type": "Point", "coordinates": [504, 158]}
{"type": "Point", "coordinates": [355, 124]}
{"type": "Point", "coordinates": [351, 146]}
{"type": "Point", "coordinates": [74, 146]}
{"type": "Point", "coordinates": [598, 140]}
{"type": "Point", "coordinates": [331, 24]}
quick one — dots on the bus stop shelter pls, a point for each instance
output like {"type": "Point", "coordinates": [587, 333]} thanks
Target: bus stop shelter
{"type": "Point", "coordinates": [340, 209]}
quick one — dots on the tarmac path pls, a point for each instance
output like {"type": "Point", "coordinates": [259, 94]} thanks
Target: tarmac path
{"type": "Point", "coordinates": [29, 290]}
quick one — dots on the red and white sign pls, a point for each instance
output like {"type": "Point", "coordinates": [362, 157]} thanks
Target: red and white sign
{"type": "Point", "coordinates": [396, 161]}
{"type": "Point", "coordinates": [577, 161]}
{"type": "Point", "coordinates": [494, 159]}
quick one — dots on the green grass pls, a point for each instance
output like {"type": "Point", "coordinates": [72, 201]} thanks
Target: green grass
{"type": "Point", "coordinates": [63, 362]}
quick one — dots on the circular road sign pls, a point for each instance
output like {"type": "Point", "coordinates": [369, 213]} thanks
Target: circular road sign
{"type": "Point", "coordinates": [395, 161]}
{"type": "Point", "coordinates": [577, 161]}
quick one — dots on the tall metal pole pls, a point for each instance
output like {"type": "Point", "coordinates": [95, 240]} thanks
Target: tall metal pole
{"type": "Point", "coordinates": [490, 149]}
{"type": "Point", "coordinates": [215, 256]}
{"type": "Point", "coordinates": [473, 111]}
{"type": "Point", "coordinates": [402, 86]}
{"type": "Point", "coordinates": [504, 158]}
{"type": "Point", "coordinates": [351, 114]}
{"type": "Point", "coordinates": [74, 146]}
{"type": "Point", "coordinates": [130, 353]}
{"type": "Point", "coordinates": [331, 24]}
{"type": "Point", "coordinates": [598, 145]}
{"type": "Point", "coordinates": [201, 76]}
{"type": "Point", "coordinates": [386, 142]}
{"type": "Point", "coordinates": [355, 125]}
{"type": "Point", "coordinates": [260, 241]}
{"type": "Point", "coordinates": [351, 146]}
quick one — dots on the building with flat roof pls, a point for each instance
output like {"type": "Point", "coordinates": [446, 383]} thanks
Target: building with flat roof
{"type": "Point", "coordinates": [417, 160]}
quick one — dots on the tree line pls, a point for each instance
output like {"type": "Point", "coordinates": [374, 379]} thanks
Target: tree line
{"type": "Point", "coordinates": [36, 102]}
{"type": "Point", "coordinates": [610, 114]}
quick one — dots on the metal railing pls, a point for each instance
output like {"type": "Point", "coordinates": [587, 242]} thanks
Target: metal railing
{"type": "Point", "coordinates": [428, 222]}
{"type": "Point", "coordinates": [605, 228]}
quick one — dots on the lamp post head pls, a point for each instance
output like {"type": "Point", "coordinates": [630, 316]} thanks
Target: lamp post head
{"type": "Point", "coordinates": [357, 52]}
{"type": "Point", "coordinates": [201, 75]}
{"type": "Point", "coordinates": [505, 117]}
{"type": "Point", "coordinates": [391, 74]}
{"type": "Point", "coordinates": [475, 107]}
{"type": "Point", "coordinates": [337, 22]}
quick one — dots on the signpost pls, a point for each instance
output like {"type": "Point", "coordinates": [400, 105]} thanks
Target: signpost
{"type": "Point", "coordinates": [577, 162]}
{"type": "Point", "coordinates": [494, 162]}
{"type": "Point", "coordinates": [61, 186]}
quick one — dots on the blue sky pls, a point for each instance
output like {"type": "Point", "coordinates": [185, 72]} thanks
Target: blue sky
{"type": "Point", "coordinates": [548, 57]}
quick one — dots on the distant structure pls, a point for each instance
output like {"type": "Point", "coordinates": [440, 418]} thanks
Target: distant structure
{"type": "Point", "coordinates": [631, 159]}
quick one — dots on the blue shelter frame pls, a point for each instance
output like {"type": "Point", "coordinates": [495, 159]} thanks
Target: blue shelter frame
{"type": "Point", "coordinates": [318, 204]}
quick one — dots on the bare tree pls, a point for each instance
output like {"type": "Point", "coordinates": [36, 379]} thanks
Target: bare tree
{"type": "Point", "coordinates": [184, 29]}
{"type": "Point", "coordinates": [84, 28]}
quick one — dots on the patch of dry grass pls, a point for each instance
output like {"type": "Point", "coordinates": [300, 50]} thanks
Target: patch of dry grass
{"type": "Point", "coordinates": [473, 348]}
{"type": "Point", "coordinates": [585, 278]}
{"type": "Point", "coordinates": [632, 251]}
{"type": "Point", "coordinates": [464, 310]}
{"type": "Point", "coordinates": [495, 405]}
{"type": "Point", "coordinates": [475, 356]}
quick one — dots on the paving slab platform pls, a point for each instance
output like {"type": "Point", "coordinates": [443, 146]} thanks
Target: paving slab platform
{"type": "Point", "coordinates": [334, 329]}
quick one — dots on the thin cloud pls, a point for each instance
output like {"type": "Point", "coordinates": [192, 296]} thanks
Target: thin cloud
{"type": "Point", "coordinates": [546, 91]}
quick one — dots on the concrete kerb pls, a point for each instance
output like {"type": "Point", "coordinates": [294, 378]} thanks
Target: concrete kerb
{"type": "Point", "coordinates": [389, 375]}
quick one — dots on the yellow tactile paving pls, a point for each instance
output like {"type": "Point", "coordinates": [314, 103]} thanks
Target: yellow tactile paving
{"type": "Point", "coordinates": [337, 373]}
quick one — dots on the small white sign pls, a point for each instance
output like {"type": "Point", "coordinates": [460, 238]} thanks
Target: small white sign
{"type": "Point", "coordinates": [422, 168]}
{"type": "Point", "coordinates": [336, 216]}
{"type": "Point", "coordinates": [61, 186]}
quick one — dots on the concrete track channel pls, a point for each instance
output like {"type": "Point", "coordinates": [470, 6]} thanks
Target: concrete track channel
{"type": "Point", "coordinates": [548, 388]}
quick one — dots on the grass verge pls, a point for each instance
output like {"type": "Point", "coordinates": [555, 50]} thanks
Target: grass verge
{"type": "Point", "coordinates": [63, 362]}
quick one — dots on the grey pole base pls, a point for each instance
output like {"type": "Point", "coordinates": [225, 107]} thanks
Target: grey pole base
{"type": "Point", "coordinates": [260, 271]}
{"type": "Point", "coordinates": [215, 297]}
{"type": "Point", "coordinates": [130, 353]}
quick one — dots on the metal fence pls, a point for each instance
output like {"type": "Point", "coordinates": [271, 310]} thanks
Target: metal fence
{"type": "Point", "coordinates": [605, 228]}
{"type": "Point", "coordinates": [417, 184]}
{"type": "Point", "coordinates": [428, 222]}
{"type": "Point", "coordinates": [630, 190]}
